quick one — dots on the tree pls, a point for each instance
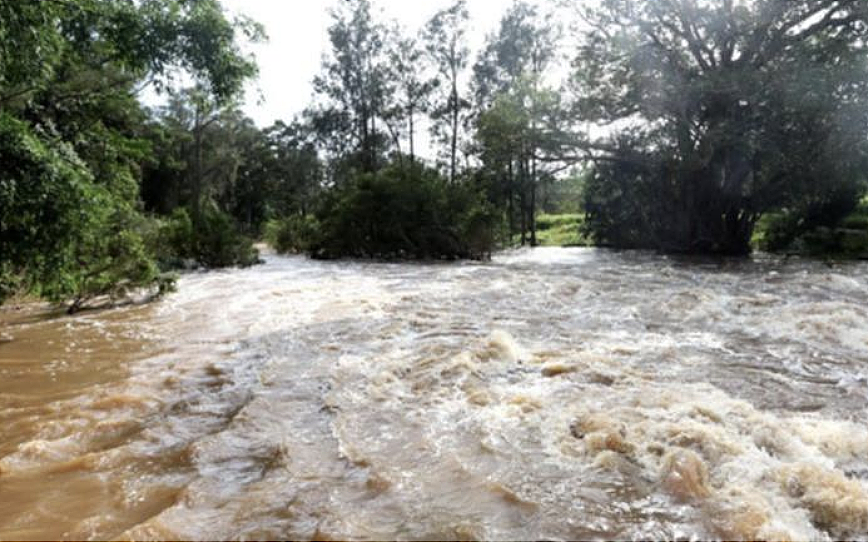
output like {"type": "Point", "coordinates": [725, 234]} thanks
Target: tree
{"type": "Point", "coordinates": [413, 87]}
{"type": "Point", "coordinates": [202, 150]}
{"type": "Point", "coordinates": [444, 38]}
{"type": "Point", "coordinates": [513, 104]}
{"type": "Point", "coordinates": [398, 214]}
{"type": "Point", "coordinates": [353, 85]}
{"type": "Point", "coordinates": [511, 136]}
{"type": "Point", "coordinates": [68, 76]}
{"type": "Point", "coordinates": [525, 45]}
{"type": "Point", "coordinates": [296, 170]}
{"type": "Point", "coordinates": [746, 107]}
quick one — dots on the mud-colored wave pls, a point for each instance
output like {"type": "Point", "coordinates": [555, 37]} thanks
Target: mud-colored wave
{"type": "Point", "coordinates": [550, 394]}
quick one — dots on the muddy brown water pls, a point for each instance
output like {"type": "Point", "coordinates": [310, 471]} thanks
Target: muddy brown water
{"type": "Point", "coordinates": [550, 394]}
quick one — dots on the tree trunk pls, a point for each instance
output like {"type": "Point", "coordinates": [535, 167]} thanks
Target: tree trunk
{"type": "Point", "coordinates": [533, 241]}
{"type": "Point", "coordinates": [197, 165]}
{"type": "Point", "coordinates": [412, 141]}
{"type": "Point", "coordinates": [454, 150]}
{"type": "Point", "coordinates": [373, 137]}
{"type": "Point", "coordinates": [511, 199]}
{"type": "Point", "coordinates": [522, 199]}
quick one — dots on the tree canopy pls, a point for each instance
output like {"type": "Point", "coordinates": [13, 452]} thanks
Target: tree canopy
{"type": "Point", "coordinates": [72, 130]}
{"type": "Point", "coordinates": [721, 111]}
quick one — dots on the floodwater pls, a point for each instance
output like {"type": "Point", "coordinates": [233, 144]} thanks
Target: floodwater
{"type": "Point", "coordinates": [549, 394]}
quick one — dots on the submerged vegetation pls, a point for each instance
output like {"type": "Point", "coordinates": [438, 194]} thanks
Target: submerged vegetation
{"type": "Point", "coordinates": [699, 127]}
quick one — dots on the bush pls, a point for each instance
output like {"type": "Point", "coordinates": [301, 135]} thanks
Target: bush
{"type": "Point", "coordinates": [294, 234]}
{"type": "Point", "coordinates": [400, 214]}
{"type": "Point", "coordinates": [113, 261]}
{"type": "Point", "coordinates": [790, 232]}
{"type": "Point", "coordinates": [212, 241]}
{"type": "Point", "coordinates": [64, 236]}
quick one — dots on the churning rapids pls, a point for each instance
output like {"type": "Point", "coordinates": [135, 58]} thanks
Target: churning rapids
{"type": "Point", "coordinates": [549, 394]}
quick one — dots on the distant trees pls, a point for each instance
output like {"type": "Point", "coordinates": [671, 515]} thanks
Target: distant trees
{"type": "Point", "coordinates": [412, 86]}
{"type": "Point", "coordinates": [517, 111]}
{"type": "Point", "coordinates": [217, 175]}
{"type": "Point", "coordinates": [381, 201]}
{"type": "Point", "coordinates": [690, 121]}
{"type": "Point", "coordinates": [353, 86]}
{"type": "Point", "coordinates": [445, 41]}
{"type": "Point", "coordinates": [732, 109]}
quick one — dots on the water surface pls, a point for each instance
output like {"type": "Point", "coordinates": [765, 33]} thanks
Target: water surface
{"type": "Point", "coordinates": [549, 394]}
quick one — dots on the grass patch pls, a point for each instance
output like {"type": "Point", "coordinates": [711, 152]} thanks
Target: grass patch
{"type": "Point", "coordinates": [557, 230]}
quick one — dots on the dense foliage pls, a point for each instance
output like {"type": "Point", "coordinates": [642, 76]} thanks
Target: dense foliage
{"type": "Point", "coordinates": [73, 136]}
{"type": "Point", "coordinates": [399, 213]}
{"type": "Point", "coordinates": [732, 109]}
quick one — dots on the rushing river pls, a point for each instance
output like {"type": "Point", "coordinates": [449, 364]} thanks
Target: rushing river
{"type": "Point", "coordinates": [549, 394]}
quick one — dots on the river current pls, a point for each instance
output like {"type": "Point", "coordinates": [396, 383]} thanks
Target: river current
{"type": "Point", "coordinates": [549, 394]}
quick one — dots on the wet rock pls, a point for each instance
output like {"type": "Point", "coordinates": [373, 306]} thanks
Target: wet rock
{"type": "Point", "coordinates": [685, 476]}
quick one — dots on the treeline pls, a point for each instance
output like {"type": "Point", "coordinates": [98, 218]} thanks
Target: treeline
{"type": "Point", "coordinates": [688, 122]}
{"type": "Point", "coordinates": [695, 126]}
{"type": "Point", "coordinates": [380, 87]}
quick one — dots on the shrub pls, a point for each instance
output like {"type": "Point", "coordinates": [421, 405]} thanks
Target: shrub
{"type": "Point", "coordinates": [64, 236]}
{"type": "Point", "coordinates": [790, 232]}
{"type": "Point", "coordinates": [396, 213]}
{"type": "Point", "coordinates": [294, 234]}
{"type": "Point", "coordinates": [213, 240]}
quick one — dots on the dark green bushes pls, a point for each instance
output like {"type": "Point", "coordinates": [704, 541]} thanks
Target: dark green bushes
{"type": "Point", "coordinates": [212, 241]}
{"type": "Point", "coordinates": [63, 236]}
{"type": "Point", "coordinates": [293, 234]}
{"type": "Point", "coordinates": [653, 199]}
{"type": "Point", "coordinates": [827, 235]}
{"type": "Point", "coordinates": [393, 214]}
{"type": "Point", "coordinates": [397, 214]}
{"type": "Point", "coordinates": [634, 202]}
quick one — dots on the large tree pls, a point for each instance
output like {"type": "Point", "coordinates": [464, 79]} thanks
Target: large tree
{"type": "Point", "coordinates": [717, 112]}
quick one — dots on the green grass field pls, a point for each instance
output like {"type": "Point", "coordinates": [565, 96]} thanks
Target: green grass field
{"type": "Point", "coordinates": [560, 230]}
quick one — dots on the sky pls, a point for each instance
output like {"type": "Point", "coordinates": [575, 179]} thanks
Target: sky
{"type": "Point", "coordinates": [297, 31]}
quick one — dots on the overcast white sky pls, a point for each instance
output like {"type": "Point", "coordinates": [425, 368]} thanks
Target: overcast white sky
{"type": "Point", "coordinates": [297, 40]}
